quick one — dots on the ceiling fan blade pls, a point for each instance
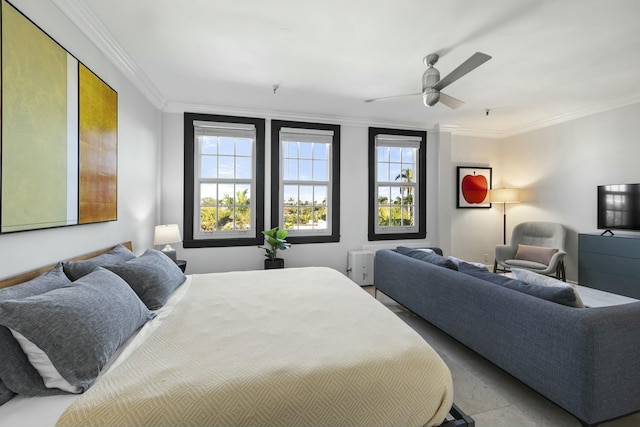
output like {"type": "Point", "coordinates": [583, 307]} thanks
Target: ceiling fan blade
{"type": "Point", "coordinates": [450, 101]}
{"type": "Point", "coordinates": [391, 97]}
{"type": "Point", "coordinates": [476, 60]}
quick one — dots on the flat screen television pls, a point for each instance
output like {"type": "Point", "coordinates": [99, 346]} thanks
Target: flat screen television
{"type": "Point", "coordinates": [619, 207]}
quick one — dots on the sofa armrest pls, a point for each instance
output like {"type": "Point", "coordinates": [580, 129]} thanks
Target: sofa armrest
{"type": "Point", "coordinates": [614, 334]}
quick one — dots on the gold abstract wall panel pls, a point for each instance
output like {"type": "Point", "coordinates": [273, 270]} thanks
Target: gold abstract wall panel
{"type": "Point", "coordinates": [58, 139]}
{"type": "Point", "coordinates": [98, 149]}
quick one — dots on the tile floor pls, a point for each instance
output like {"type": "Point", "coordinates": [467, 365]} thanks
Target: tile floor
{"type": "Point", "coordinates": [490, 396]}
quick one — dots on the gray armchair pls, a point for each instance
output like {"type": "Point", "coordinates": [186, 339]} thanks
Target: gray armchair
{"type": "Point", "coordinates": [545, 234]}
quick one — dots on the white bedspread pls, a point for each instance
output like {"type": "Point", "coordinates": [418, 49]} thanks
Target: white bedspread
{"type": "Point", "coordinates": [290, 347]}
{"type": "Point", "coordinates": [44, 411]}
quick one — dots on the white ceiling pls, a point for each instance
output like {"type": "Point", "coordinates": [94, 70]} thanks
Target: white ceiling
{"type": "Point", "coordinates": [552, 59]}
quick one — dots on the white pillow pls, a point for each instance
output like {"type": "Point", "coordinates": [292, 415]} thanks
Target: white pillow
{"type": "Point", "coordinates": [42, 363]}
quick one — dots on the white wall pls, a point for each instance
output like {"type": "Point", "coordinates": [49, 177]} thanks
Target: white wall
{"type": "Point", "coordinates": [139, 126]}
{"type": "Point", "coordinates": [475, 231]}
{"type": "Point", "coordinates": [353, 202]}
{"type": "Point", "coordinates": [560, 167]}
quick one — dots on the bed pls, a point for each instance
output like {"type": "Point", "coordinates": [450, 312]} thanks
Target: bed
{"type": "Point", "coordinates": [289, 347]}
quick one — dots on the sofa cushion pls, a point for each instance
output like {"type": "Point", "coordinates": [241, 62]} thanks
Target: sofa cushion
{"type": "Point", "coordinates": [457, 261]}
{"type": "Point", "coordinates": [521, 263]}
{"type": "Point", "coordinates": [430, 257]}
{"type": "Point", "coordinates": [537, 254]}
{"type": "Point", "coordinates": [433, 249]}
{"type": "Point", "coordinates": [565, 295]}
{"type": "Point", "coordinates": [535, 279]}
{"type": "Point", "coordinates": [486, 275]}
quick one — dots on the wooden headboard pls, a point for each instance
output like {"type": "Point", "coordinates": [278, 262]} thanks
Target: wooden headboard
{"type": "Point", "coordinates": [23, 277]}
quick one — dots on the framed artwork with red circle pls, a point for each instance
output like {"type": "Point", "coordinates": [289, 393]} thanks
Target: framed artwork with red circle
{"type": "Point", "coordinates": [474, 184]}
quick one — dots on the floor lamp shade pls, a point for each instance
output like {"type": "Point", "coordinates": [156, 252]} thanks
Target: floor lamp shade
{"type": "Point", "coordinates": [165, 235]}
{"type": "Point", "coordinates": [504, 196]}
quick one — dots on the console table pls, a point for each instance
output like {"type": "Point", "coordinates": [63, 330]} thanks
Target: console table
{"type": "Point", "coordinates": [610, 263]}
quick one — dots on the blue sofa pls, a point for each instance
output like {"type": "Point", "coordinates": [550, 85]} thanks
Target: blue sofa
{"type": "Point", "coordinates": [586, 360]}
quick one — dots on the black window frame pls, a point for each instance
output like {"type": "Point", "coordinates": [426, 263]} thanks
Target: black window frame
{"type": "Point", "coordinates": [276, 125]}
{"type": "Point", "coordinates": [189, 190]}
{"type": "Point", "coordinates": [422, 185]}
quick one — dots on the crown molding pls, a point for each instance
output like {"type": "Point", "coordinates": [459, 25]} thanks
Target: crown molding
{"type": "Point", "coordinates": [86, 21]}
{"type": "Point", "coordinates": [578, 113]}
{"type": "Point", "coordinates": [173, 107]}
{"type": "Point", "coordinates": [179, 108]}
{"type": "Point", "coordinates": [176, 107]}
{"type": "Point", "coordinates": [568, 116]}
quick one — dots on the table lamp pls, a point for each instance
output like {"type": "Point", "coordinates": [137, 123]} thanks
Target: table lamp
{"type": "Point", "coordinates": [165, 235]}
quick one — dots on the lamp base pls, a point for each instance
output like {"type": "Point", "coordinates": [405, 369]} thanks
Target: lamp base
{"type": "Point", "coordinates": [504, 228]}
{"type": "Point", "coordinates": [170, 252]}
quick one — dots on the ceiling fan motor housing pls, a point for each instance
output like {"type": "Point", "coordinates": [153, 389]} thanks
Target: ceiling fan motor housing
{"type": "Point", "coordinates": [432, 85]}
{"type": "Point", "coordinates": [430, 96]}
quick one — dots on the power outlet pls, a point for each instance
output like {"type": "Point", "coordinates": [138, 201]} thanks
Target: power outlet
{"type": "Point", "coordinates": [486, 258]}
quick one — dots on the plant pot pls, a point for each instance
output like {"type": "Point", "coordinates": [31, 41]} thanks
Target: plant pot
{"type": "Point", "coordinates": [273, 263]}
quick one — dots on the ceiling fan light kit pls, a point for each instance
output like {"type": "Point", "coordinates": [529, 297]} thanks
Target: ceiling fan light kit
{"type": "Point", "coordinates": [432, 84]}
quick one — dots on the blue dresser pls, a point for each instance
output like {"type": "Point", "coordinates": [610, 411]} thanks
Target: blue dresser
{"type": "Point", "coordinates": [610, 263]}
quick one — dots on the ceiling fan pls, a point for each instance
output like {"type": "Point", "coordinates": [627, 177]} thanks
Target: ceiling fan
{"type": "Point", "coordinates": [432, 84]}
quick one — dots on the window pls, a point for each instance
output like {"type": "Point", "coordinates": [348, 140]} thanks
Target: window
{"type": "Point", "coordinates": [305, 180]}
{"type": "Point", "coordinates": [397, 184]}
{"type": "Point", "coordinates": [223, 180]}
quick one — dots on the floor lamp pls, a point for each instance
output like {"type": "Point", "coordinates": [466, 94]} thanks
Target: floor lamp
{"type": "Point", "coordinates": [504, 196]}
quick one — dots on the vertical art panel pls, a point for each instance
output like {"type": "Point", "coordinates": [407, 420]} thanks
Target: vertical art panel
{"type": "Point", "coordinates": [98, 149]}
{"type": "Point", "coordinates": [37, 77]}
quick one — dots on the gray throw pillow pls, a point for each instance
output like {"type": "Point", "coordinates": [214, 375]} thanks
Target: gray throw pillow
{"type": "Point", "coordinates": [562, 294]}
{"type": "Point", "coordinates": [17, 374]}
{"type": "Point", "coordinates": [430, 257]}
{"type": "Point", "coordinates": [153, 276]}
{"type": "Point", "coordinates": [76, 269]}
{"type": "Point", "coordinates": [78, 326]}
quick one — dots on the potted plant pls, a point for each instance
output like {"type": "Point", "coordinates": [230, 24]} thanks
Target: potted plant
{"type": "Point", "coordinates": [275, 240]}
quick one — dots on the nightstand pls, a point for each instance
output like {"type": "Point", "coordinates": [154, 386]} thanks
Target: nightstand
{"type": "Point", "coordinates": [182, 264]}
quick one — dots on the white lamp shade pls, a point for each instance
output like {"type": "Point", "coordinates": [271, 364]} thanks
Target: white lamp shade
{"type": "Point", "coordinates": [505, 195]}
{"type": "Point", "coordinates": [166, 234]}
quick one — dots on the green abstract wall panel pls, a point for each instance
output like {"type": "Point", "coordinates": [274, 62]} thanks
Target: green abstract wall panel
{"type": "Point", "coordinates": [39, 174]}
